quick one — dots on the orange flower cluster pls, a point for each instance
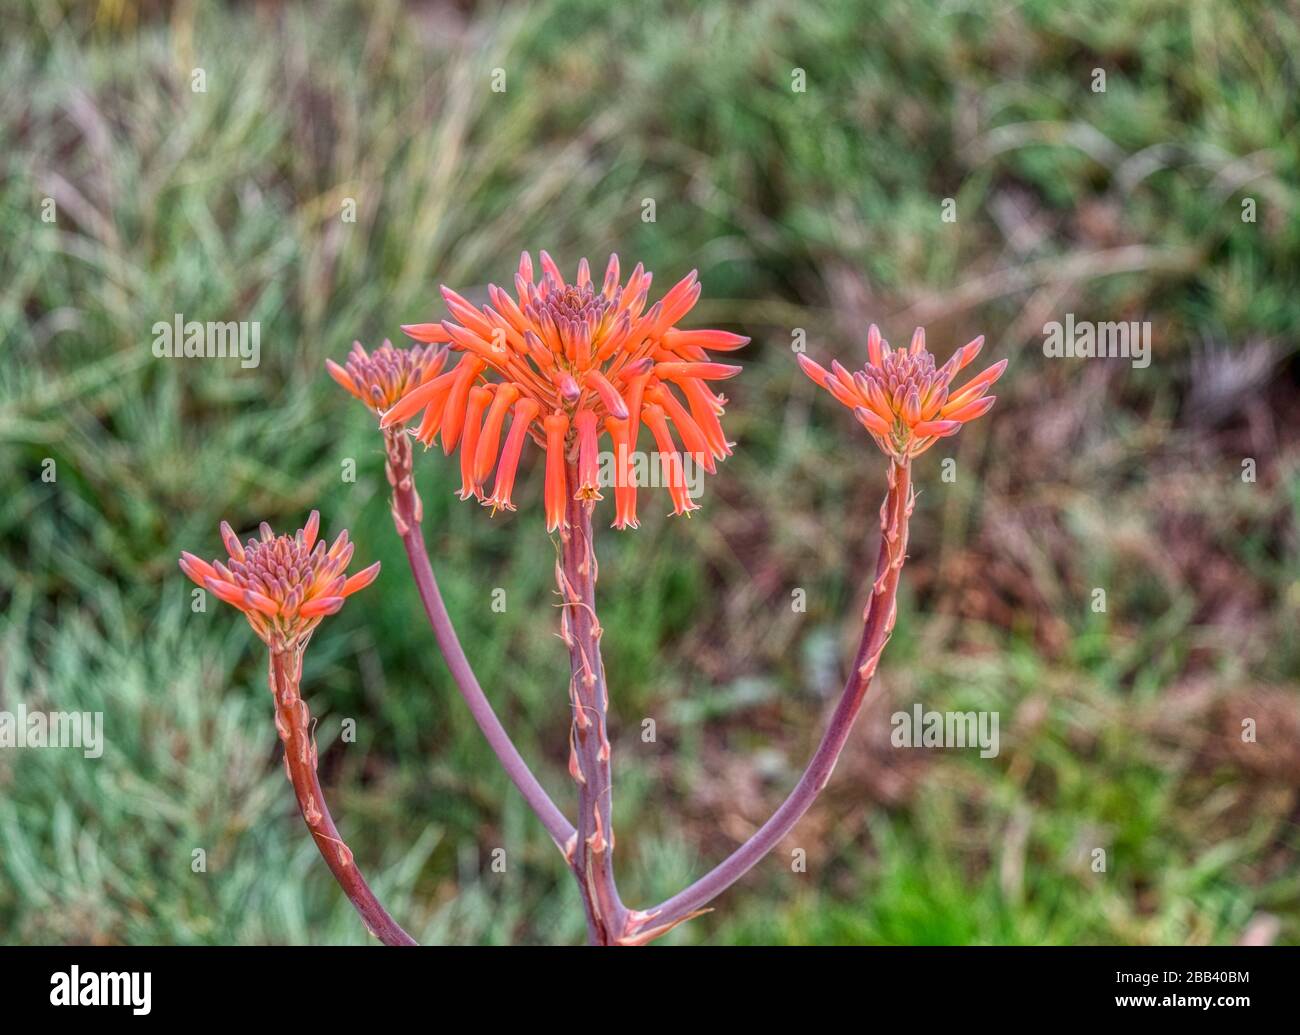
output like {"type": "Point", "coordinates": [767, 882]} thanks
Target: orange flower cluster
{"type": "Point", "coordinates": [284, 584]}
{"type": "Point", "coordinates": [902, 399]}
{"type": "Point", "coordinates": [382, 377]}
{"type": "Point", "coordinates": [572, 362]}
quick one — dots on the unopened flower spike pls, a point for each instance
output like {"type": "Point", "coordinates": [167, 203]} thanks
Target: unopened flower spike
{"type": "Point", "coordinates": [284, 584]}
{"type": "Point", "coordinates": [382, 377]}
{"type": "Point", "coordinates": [569, 363]}
{"type": "Point", "coordinates": [902, 398]}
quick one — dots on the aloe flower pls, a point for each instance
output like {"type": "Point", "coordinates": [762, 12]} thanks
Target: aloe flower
{"type": "Point", "coordinates": [902, 399]}
{"type": "Point", "coordinates": [284, 584]}
{"type": "Point", "coordinates": [380, 378]}
{"type": "Point", "coordinates": [569, 364]}
{"type": "Point", "coordinates": [565, 366]}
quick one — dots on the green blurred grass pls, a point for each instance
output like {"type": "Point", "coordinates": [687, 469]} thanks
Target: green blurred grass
{"type": "Point", "coordinates": [816, 210]}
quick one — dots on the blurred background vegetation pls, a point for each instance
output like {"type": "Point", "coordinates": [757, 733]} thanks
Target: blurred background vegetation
{"type": "Point", "coordinates": [818, 210]}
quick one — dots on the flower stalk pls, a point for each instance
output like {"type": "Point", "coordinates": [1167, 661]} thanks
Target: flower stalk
{"type": "Point", "coordinates": [591, 853]}
{"type": "Point", "coordinates": [407, 513]}
{"type": "Point", "coordinates": [879, 616]}
{"type": "Point", "coordinates": [285, 586]}
{"type": "Point", "coordinates": [293, 723]}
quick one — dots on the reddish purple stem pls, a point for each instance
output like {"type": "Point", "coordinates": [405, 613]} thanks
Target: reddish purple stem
{"type": "Point", "coordinates": [406, 516]}
{"type": "Point", "coordinates": [589, 848]}
{"type": "Point", "coordinates": [878, 625]}
{"type": "Point", "coordinates": [293, 721]}
{"type": "Point", "coordinates": [589, 748]}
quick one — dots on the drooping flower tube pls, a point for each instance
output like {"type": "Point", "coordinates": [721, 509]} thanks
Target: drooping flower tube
{"type": "Point", "coordinates": [569, 364]}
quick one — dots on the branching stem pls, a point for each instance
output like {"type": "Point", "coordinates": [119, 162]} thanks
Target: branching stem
{"type": "Point", "coordinates": [589, 848]}
{"type": "Point", "coordinates": [878, 625]}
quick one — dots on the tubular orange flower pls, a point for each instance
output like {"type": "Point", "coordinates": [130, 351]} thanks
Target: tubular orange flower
{"type": "Point", "coordinates": [283, 584]}
{"type": "Point", "coordinates": [588, 461]}
{"type": "Point", "coordinates": [525, 413]}
{"type": "Point", "coordinates": [477, 400]}
{"type": "Point", "coordinates": [380, 378]}
{"type": "Point", "coordinates": [489, 438]}
{"type": "Point", "coordinates": [557, 431]}
{"type": "Point", "coordinates": [571, 362]}
{"type": "Point", "coordinates": [624, 480]}
{"type": "Point", "coordinates": [674, 475]}
{"type": "Point", "coordinates": [902, 399]}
